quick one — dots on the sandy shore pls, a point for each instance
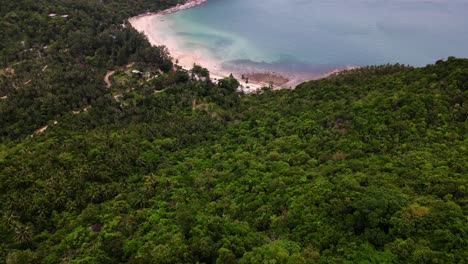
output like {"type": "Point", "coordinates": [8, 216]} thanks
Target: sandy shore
{"type": "Point", "coordinates": [154, 26]}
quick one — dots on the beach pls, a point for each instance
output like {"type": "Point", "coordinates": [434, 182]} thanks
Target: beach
{"type": "Point", "coordinates": [154, 26]}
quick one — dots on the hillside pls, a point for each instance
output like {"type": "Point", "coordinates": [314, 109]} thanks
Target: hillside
{"type": "Point", "coordinates": [368, 166]}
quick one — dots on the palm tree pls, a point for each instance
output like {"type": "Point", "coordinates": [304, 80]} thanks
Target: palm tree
{"type": "Point", "coordinates": [9, 219]}
{"type": "Point", "coordinates": [23, 233]}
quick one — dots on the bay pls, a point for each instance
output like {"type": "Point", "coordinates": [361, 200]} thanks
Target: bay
{"type": "Point", "coordinates": [319, 35]}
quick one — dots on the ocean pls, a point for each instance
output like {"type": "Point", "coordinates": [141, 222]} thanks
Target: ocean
{"type": "Point", "coordinates": [320, 35]}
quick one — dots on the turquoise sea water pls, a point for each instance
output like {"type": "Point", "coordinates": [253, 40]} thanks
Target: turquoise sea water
{"type": "Point", "coordinates": [316, 35]}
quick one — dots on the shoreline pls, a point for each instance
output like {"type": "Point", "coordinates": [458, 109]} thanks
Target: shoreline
{"type": "Point", "coordinates": [188, 4]}
{"type": "Point", "coordinates": [144, 23]}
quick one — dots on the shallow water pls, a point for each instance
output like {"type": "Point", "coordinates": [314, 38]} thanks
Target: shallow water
{"type": "Point", "coordinates": [318, 35]}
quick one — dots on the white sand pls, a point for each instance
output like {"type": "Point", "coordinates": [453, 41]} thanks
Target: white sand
{"type": "Point", "coordinates": [153, 25]}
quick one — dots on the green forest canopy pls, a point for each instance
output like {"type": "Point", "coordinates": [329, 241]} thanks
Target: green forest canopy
{"type": "Point", "coordinates": [368, 166]}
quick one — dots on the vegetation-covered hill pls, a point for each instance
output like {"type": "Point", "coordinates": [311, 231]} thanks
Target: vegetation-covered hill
{"type": "Point", "coordinates": [367, 166]}
{"type": "Point", "coordinates": [54, 55]}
